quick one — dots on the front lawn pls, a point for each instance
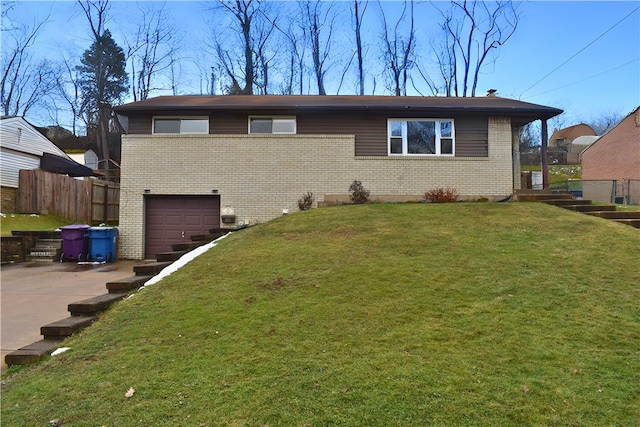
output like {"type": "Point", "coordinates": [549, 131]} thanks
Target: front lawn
{"type": "Point", "coordinates": [487, 314]}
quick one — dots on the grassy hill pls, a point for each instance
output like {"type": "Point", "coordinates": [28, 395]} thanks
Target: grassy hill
{"type": "Point", "coordinates": [442, 315]}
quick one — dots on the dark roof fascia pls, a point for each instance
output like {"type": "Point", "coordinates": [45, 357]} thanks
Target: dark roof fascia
{"type": "Point", "coordinates": [454, 105]}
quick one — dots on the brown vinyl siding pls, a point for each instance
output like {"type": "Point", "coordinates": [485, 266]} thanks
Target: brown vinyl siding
{"type": "Point", "coordinates": [139, 125]}
{"type": "Point", "coordinates": [370, 128]}
{"type": "Point", "coordinates": [472, 136]}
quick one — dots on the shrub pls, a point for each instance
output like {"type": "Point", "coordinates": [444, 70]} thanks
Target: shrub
{"type": "Point", "coordinates": [306, 201]}
{"type": "Point", "coordinates": [442, 195]}
{"type": "Point", "coordinates": [358, 192]}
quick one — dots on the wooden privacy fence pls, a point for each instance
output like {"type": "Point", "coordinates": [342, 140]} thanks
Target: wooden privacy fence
{"type": "Point", "coordinates": [87, 200]}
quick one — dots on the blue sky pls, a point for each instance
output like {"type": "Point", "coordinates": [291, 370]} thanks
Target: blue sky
{"type": "Point", "coordinates": [600, 46]}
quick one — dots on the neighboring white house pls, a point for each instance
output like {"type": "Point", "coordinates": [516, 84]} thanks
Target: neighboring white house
{"type": "Point", "coordinates": [89, 158]}
{"type": "Point", "coordinates": [21, 147]}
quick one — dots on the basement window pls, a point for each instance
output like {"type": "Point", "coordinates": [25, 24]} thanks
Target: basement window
{"type": "Point", "coordinates": [262, 124]}
{"type": "Point", "coordinates": [427, 137]}
{"type": "Point", "coordinates": [179, 125]}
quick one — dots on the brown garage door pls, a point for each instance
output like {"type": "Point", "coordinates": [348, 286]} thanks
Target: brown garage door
{"type": "Point", "coordinates": [174, 219]}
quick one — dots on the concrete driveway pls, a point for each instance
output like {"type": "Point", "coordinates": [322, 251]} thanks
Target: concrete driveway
{"type": "Point", "coordinates": [36, 294]}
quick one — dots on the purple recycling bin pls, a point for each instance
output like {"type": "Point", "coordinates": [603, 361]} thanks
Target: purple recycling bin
{"type": "Point", "coordinates": [75, 242]}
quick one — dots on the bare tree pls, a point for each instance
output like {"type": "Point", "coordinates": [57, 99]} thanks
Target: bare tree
{"type": "Point", "coordinates": [319, 26]}
{"type": "Point", "coordinates": [473, 31]}
{"type": "Point", "coordinates": [68, 88]}
{"type": "Point", "coordinates": [604, 122]}
{"type": "Point", "coordinates": [294, 34]}
{"type": "Point", "coordinates": [152, 51]}
{"type": "Point", "coordinates": [103, 79]}
{"type": "Point", "coordinates": [24, 84]}
{"type": "Point", "coordinates": [248, 57]}
{"type": "Point", "coordinates": [399, 49]}
{"type": "Point", "coordinates": [359, 8]}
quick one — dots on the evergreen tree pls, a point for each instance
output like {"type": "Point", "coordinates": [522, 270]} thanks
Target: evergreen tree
{"type": "Point", "coordinates": [103, 80]}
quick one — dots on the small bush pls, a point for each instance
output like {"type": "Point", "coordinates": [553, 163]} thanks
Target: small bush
{"type": "Point", "coordinates": [358, 192]}
{"type": "Point", "coordinates": [306, 201]}
{"type": "Point", "coordinates": [442, 195]}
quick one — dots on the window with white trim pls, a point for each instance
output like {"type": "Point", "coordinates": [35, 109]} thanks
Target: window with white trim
{"type": "Point", "coordinates": [268, 124]}
{"type": "Point", "coordinates": [180, 125]}
{"type": "Point", "coordinates": [410, 137]}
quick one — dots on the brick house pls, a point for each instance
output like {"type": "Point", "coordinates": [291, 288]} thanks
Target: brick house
{"type": "Point", "coordinates": [611, 165]}
{"type": "Point", "coordinates": [565, 145]}
{"type": "Point", "coordinates": [191, 163]}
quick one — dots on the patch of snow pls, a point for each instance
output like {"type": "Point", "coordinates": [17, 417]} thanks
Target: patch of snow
{"type": "Point", "coordinates": [181, 262]}
{"type": "Point", "coordinates": [60, 351]}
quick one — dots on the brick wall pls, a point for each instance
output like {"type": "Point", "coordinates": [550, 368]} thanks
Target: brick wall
{"type": "Point", "coordinates": [8, 200]}
{"type": "Point", "coordinates": [615, 156]}
{"type": "Point", "coordinates": [260, 175]}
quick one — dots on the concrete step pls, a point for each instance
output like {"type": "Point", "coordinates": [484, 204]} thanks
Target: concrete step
{"type": "Point", "coordinates": [590, 208]}
{"type": "Point", "coordinates": [65, 327]}
{"type": "Point", "coordinates": [616, 214]}
{"type": "Point", "coordinates": [43, 257]}
{"type": "Point", "coordinates": [150, 268]}
{"type": "Point", "coordinates": [127, 284]}
{"type": "Point", "coordinates": [31, 353]}
{"type": "Point", "coordinates": [54, 243]}
{"type": "Point", "coordinates": [93, 306]}
{"type": "Point", "coordinates": [45, 247]}
{"type": "Point", "coordinates": [169, 256]}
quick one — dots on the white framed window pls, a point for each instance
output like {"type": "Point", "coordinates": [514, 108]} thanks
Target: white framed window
{"type": "Point", "coordinates": [423, 137]}
{"type": "Point", "coordinates": [272, 124]}
{"type": "Point", "coordinates": [180, 125]}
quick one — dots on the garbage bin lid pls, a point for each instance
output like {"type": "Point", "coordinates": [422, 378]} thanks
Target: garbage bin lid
{"type": "Point", "coordinates": [75, 227]}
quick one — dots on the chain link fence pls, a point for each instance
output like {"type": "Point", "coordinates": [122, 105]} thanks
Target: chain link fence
{"type": "Point", "coordinates": [624, 191]}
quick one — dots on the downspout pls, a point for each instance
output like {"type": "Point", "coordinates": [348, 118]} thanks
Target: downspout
{"type": "Point", "coordinates": [543, 156]}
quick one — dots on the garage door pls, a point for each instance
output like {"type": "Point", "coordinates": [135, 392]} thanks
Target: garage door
{"type": "Point", "coordinates": [174, 219]}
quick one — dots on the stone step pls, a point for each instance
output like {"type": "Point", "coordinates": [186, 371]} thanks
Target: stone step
{"type": "Point", "coordinates": [93, 306]}
{"type": "Point", "coordinates": [127, 284]}
{"type": "Point", "coordinates": [150, 268]}
{"type": "Point", "coordinates": [541, 197]}
{"type": "Point", "coordinates": [65, 327]}
{"type": "Point", "coordinates": [566, 202]}
{"type": "Point", "coordinates": [590, 208]}
{"type": "Point", "coordinates": [186, 246]}
{"type": "Point", "coordinates": [208, 237]}
{"type": "Point", "coordinates": [634, 222]}
{"type": "Point", "coordinates": [31, 353]}
{"type": "Point", "coordinates": [169, 256]}
{"type": "Point", "coordinates": [616, 214]}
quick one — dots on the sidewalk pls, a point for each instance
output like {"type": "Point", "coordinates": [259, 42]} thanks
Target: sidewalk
{"type": "Point", "coordinates": [36, 294]}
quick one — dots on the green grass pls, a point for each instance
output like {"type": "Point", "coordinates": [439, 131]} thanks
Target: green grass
{"type": "Point", "coordinates": [559, 174]}
{"type": "Point", "coordinates": [26, 222]}
{"type": "Point", "coordinates": [514, 314]}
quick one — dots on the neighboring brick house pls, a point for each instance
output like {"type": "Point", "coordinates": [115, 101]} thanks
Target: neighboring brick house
{"type": "Point", "coordinates": [611, 165]}
{"type": "Point", "coordinates": [192, 162]}
{"type": "Point", "coordinates": [565, 145]}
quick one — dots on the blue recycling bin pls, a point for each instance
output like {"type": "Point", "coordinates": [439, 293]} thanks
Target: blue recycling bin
{"type": "Point", "coordinates": [102, 243]}
{"type": "Point", "coordinates": [75, 242]}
